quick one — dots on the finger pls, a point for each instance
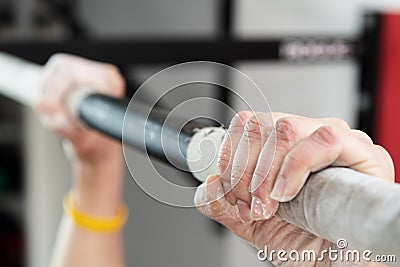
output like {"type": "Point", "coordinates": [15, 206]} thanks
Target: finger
{"type": "Point", "coordinates": [334, 122]}
{"type": "Point", "coordinates": [289, 130]}
{"type": "Point", "coordinates": [60, 75]}
{"type": "Point", "coordinates": [210, 200]}
{"type": "Point", "coordinates": [62, 125]}
{"type": "Point", "coordinates": [77, 71]}
{"type": "Point", "coordinates": [387, 163]}
{"type": "Point", "coordinates": [256, 131]}
{"type": "Point", "coordinates": [362, 136]}
{"type": "Point", "coordinates": [53, 85]}
{"type": "Point", "coordinates": [228, 149]}
{"type": "Point", "coordinates": [51, 105]}
{"type": "Point", "coordinates": [328, 145]}
{"type": "Point", "coordinates": [102, 77]}
{"type": "Point", "coordinates": [287, 133]}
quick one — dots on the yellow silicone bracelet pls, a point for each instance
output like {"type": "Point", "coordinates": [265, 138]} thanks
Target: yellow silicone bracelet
{"type": "Point", "coordinates": [92, 223]}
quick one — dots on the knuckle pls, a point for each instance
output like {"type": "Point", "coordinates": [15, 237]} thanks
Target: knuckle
{"type": "Point", "coordinates": [58, 58]}
{"type": "Point", "coordinates": [216, 209]}
{"type": "Point", "coordinates": [239, 119]}
{"type": "Point", "coordinates": [239, 174]}
{"type": "Point", "coordinates": [363, 136]}
{"type": "Point", "coordinates": [325, 135]}
{"type": "Point", "coordinates": [59, 64]}
{"type": "Point", "coordinates": [341, 123]}
{"type": "Point", "coordinates": [252, 128]}
{"type": "Point", "coordinates": [244, 114]}
{"type": "Point", "coordinates": [266, 122]}
{"type": "Point", "coordinates": [112, 69]}
{"type": "Point", "coordinates": [292, 162]}
{"type": "Point", "coordinates": [262, 171]}
{"type": "Point", "coordinates": [286, 129]}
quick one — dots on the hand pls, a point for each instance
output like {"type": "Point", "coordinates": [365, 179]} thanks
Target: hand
{"type": "Point", "coordinates": [262, 162]}
{"type": "Point", "coordinates": [96, 160]}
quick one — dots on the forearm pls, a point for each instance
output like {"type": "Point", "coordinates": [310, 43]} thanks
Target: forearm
{"type": "Point", "coordinates": [76, 247]}
{"type": "Point", "coordinates": [93, 195]}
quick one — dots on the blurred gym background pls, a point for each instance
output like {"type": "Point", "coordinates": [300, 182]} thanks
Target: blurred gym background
{"type": "Point", "coordinates": [34, 174]}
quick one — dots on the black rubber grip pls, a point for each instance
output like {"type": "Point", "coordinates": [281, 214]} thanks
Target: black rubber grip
{"type": "Point", "coordinates": [107, 114]}
{"type": "Point", "coordinates": [104, 114]}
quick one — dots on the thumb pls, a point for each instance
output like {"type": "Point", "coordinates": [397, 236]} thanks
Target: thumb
{"type": "Point", "coordinates": [211, 202]}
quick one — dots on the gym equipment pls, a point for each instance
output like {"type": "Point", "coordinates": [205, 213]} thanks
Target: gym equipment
{"type": "Point", "coordinates": [335, 203]}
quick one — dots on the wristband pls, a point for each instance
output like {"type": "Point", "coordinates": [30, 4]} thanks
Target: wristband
{"type": "Point", "coordinates": [93, 223]}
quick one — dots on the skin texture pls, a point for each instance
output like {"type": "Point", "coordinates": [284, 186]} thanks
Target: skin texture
{"type": "Point", "coordinates": [263, 163]}
{"type": "Point", "coordinates": [96, 160]}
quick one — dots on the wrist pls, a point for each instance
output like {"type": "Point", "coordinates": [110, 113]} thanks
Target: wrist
{"type": "Point", "coordinates": [97, 187]}
{"type": "Point", "coordinates": [96, 223]}
{"type": "Point", "coordinates": [95, 204]}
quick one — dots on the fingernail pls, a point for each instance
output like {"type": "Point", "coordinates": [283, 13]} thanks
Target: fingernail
{"type": "Point", "coordinates": [258, 210]}
{"type": "Point", "coordinates": [278, 192]}
{"type": "Point", "coordinates": [266, 157]}
{"type": "Point", "coordinates": [244, 211]}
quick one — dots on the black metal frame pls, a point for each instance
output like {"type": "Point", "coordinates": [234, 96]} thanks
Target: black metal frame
{"type": "Point", "coordinates": [153, 51]}
{"type": "Point", "coordinates": [369, 72]}
{"type": "Point", "coordinates": [224, 49]}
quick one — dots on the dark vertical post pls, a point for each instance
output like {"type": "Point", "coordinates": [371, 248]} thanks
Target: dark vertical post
{"type": "Point", "coordinates": [369, 69]}
{"type": "Point", "coordinates": [225, 32]}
